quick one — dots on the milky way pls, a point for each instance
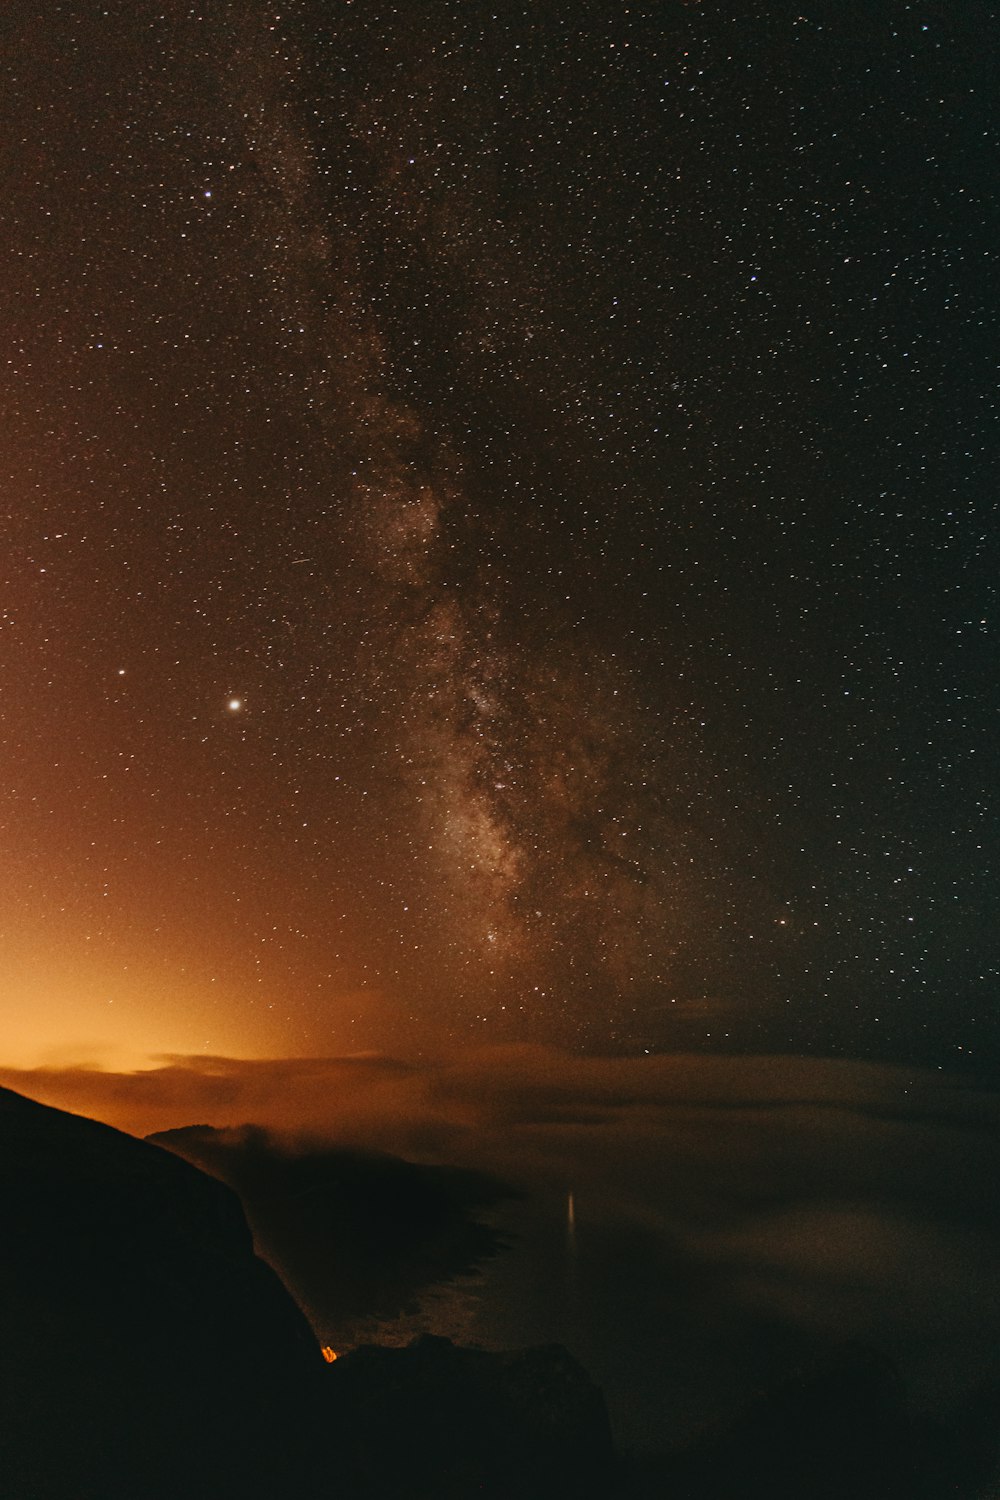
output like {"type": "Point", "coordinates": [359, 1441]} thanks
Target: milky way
{"type": "Point", "coordinates": [519, 772]}
{"type": "Point", "coordinates": [496, 529]}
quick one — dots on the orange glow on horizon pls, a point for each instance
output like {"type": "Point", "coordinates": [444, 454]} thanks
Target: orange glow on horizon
{"type": "Point", "coordinates": [329, 1354]}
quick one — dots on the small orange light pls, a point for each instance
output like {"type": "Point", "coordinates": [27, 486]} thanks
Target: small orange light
{"type": "Point", "coordinates": [329, 1354]}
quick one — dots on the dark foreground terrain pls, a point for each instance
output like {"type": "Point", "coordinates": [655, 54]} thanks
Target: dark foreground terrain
{"type": "Point", "coordinates": [146, 1353]}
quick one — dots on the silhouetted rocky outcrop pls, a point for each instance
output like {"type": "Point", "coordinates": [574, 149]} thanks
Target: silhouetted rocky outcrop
{"type": "Point", "coordinates": [353, 1234]}
{"type": "Point", "coordinates": [841, 1430]}
{"type": "Point", "coordinates": [145, 1352]}
{"type": "Point", "coordinates": [436, 1420]}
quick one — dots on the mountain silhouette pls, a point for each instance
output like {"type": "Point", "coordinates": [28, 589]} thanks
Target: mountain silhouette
{"type": "Point", "coordinates": [355, 1235]}
{"type": "Point", "coordinates": [146, 1352]}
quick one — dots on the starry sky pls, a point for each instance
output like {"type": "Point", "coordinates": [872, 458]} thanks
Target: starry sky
{"type": "Point", "coordinates": [499, 537]}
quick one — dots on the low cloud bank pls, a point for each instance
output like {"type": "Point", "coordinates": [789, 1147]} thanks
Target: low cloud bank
{"type": "Point", "coordinates": [730, 1217]}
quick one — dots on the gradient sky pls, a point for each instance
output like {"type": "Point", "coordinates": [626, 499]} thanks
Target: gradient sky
{"type": "Point", "coordinates": [499, 528]}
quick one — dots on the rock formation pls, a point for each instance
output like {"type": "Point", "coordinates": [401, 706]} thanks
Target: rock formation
{"type": "Point", "coordinates": [145, 1351]}
{"type": "Point", "coordinates": [436, 1420]}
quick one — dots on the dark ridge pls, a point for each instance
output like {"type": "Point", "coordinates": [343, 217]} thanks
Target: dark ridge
{"type": "Point", "coordinates": [146, 1351]}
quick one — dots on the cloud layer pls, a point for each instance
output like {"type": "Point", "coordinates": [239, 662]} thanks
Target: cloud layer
{"type": "Point", "coordinates": [732, 1217]}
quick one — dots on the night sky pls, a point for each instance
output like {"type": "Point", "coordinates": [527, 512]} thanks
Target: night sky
{"type": "Point", "coordinates": [499, 528]}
